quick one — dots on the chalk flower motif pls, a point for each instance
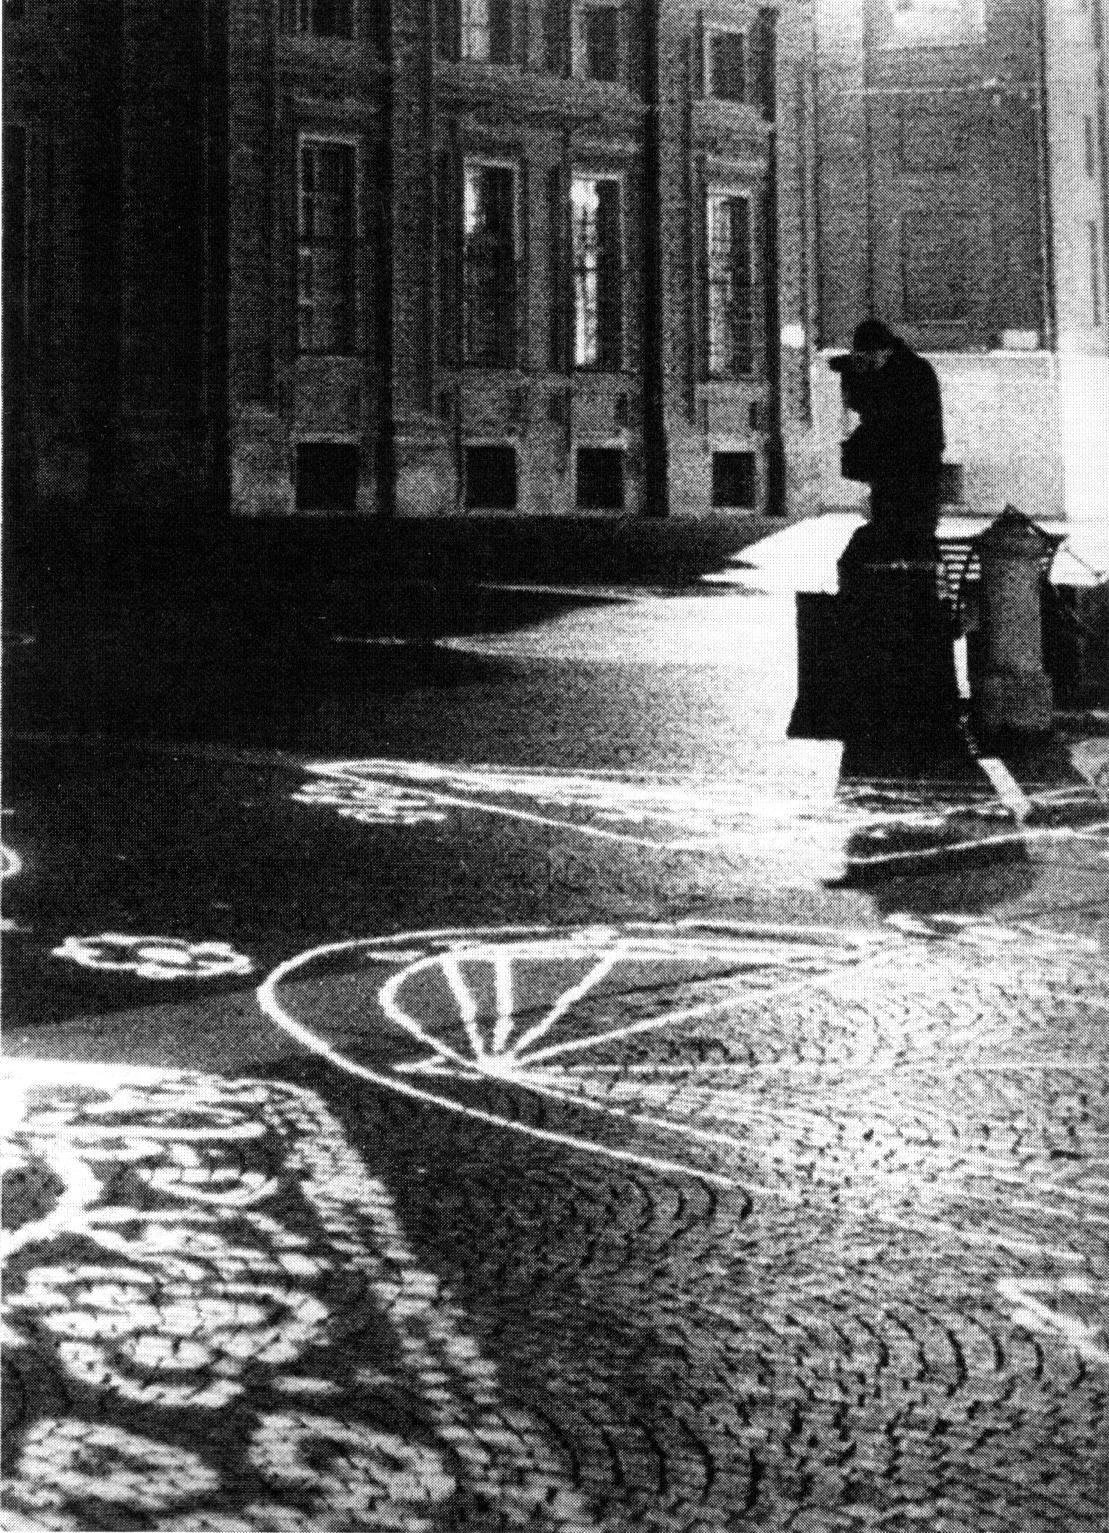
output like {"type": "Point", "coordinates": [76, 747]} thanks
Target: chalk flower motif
{"type": "Point", "coordinates": [154, 957]}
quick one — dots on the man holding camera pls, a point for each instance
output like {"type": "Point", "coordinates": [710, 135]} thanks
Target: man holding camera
{"type": "Point", "coordinates": [901, 676]}
{"type": "Point", "coordinates": [897, 447]}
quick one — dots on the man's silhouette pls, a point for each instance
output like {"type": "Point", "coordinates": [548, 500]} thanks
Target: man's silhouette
{"type": "Point", "coordinates": [898, 682]}
{"type": "Point", "coordinates": [897, 447]}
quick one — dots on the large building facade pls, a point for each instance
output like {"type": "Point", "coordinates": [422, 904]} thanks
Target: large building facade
{"type": "Point", "coordinates": [281, 257]}
{"type": "Point", "coordinates": [963, 197]}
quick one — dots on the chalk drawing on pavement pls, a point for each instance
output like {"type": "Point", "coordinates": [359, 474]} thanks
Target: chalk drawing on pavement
{"type": "Point", "coordinates": [1070, 1308]}
{"type": "Point", "coordinates": [154, 957]}
{"type": "Point", "coordinates": [593, 1022]}
{"type": "Point", "coordinates": [175, 1242]}
{"type": "Point", "coordinates": [460, 1008]}
{"type": "Point", "coordinates": [903, 825]}
{"type": "Point", "coordinates": [983, 932]}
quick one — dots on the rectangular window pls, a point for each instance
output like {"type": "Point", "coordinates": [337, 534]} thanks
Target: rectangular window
{"type": "Point", "coordinates": [932, 23]}
{"type": "Point", "coordinates": [726, 65]}
{"type": "Point", "coordinates": [486, 31]}
{"type": "Point", "coordinates": [326, 476]}
{"type": "Point", "coordinates": [557, 338]}
{"type": "Point", "coordinates": [1095, 272]}
{"type": "Point", "coordinates": [597, 42]}
{"type": "Point", "coordinates": [730, 286]}
{"type": "Point", "coordinates": [598, 272]}
{"type": "Point", "coordinates": [600, 479]}
{"type": "Point", "coordinates": [490, 478]}
{"type": "Point", "coordinates": [326, 247]}
{"type": "Point", "coordinates": [556, 36]}
{"type": "Point", "coordinates": [733, 480]}
{"type": "Point", "coordinates": [319, 18]}
{"type": "Point", "coordinates": [489, 262]}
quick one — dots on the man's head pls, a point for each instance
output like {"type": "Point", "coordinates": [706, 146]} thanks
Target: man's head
{"type": "Point", "coordinates": [871, 345]}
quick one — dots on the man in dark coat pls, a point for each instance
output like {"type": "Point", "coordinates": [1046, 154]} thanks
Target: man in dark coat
{"type": "Point", "coordinates": [899, 682]}
{"type": "Point", "coordinates": [897, 448]}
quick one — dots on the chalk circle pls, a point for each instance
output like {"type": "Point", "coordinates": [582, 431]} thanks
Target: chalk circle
{"type": "Point", "coordinates": [439, 1016]}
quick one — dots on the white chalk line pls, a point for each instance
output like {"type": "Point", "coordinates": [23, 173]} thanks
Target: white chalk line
{"type": "Point", "coordinates": [267, 1000]}
{"type": "Point", "coordinates": [603, 967]}
{"type": "Point", "coordinates": [773, 951]}
{"type": "Point", "coordinates": [1065, 1063]}
{"type": "Point", "coordinates": [737, 1004]}
{"type": "Point", "coordinates": [505, 1070]}
{"type": "Point", "coordinates": [727, 840]}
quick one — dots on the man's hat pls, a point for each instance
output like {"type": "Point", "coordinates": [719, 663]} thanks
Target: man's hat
{"type": "Point", "coordinates": [872, 335]}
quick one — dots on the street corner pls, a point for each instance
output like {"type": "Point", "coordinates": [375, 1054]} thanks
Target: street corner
{"type": "Point", "coordinates": [214, 1319]}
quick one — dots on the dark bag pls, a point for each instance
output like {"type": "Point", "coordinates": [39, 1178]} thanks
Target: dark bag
{"type": "Point", "coordinates": [822, 674]}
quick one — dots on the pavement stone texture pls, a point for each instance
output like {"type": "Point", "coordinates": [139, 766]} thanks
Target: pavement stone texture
{"type": "Point", "coordinates": [817, 1237]}
{"type": "Point", "coordinates": [476, 1131]}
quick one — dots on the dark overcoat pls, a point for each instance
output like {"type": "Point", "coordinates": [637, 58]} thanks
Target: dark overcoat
{"type": "Point", "coordinates": [897, 447]}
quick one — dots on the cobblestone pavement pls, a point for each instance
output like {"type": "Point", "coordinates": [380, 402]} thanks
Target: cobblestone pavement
{"type": "Point", "coordinates": [815, 1237]}
{"type": "Point", "coordinates": [678, 1158]}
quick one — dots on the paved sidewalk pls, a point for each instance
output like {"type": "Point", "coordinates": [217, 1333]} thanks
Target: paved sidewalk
{"type": "Point", "coordinates": [611, 1142]}
{"type": "Point", "coordinates": [810, 1235]}
{"type": "Point", "coordinates": [216, 1321]}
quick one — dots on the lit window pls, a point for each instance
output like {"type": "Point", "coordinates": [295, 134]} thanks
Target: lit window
{"type": "Point", "coordinates": [319, 18]}
{"type": "Point", "coordinates": [730, 321]}
{"type": "Point", "coordinates": [326, 247]}
{"type": "Point", "coordinates": [595, 227]}
{"type": "Point", "coordinates": [486, 31]}
{"type": "Point", "coordinates": [726, 65]}
{"type": "Point", "coordinates": [597, 42]}
{"type": "Point", "coordinates": [489, 262]}
{"type": "Point", "coordinates": [939, 23]}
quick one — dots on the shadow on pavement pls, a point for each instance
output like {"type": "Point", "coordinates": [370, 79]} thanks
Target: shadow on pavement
{"type": "Point", "coordinates": [940, 841]}
{"type": "Point", "coordinates": [252, 671]}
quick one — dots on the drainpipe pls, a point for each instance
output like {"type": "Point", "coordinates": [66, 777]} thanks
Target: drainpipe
{"type": "Point", "coordinates": [1043, 187]}
{"type": "Point", "coordinates": [386, 243]}
{"type": "Point", "coordinates": [775, 447]}
{"type": "Point", "coordinates": [655, 468]}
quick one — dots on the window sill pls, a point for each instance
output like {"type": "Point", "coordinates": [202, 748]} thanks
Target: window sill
{"type": "Point", "coordinates": [313, 44]}
{"type": "Point", "coordinates": [721, 382]}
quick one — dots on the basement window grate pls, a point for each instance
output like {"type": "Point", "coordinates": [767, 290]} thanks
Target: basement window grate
{"type": "Point", "coordinates": [733, 480]}
{"type": "Point", "coordinates": [326, 476]}
{"type": "Point", "coordinates": [600, 479]}
{"type": "Point", "coordinates": [490, 479]}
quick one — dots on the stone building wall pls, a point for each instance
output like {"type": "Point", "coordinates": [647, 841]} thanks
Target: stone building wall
{"type": "Point", "coordinates": [161, 293]}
